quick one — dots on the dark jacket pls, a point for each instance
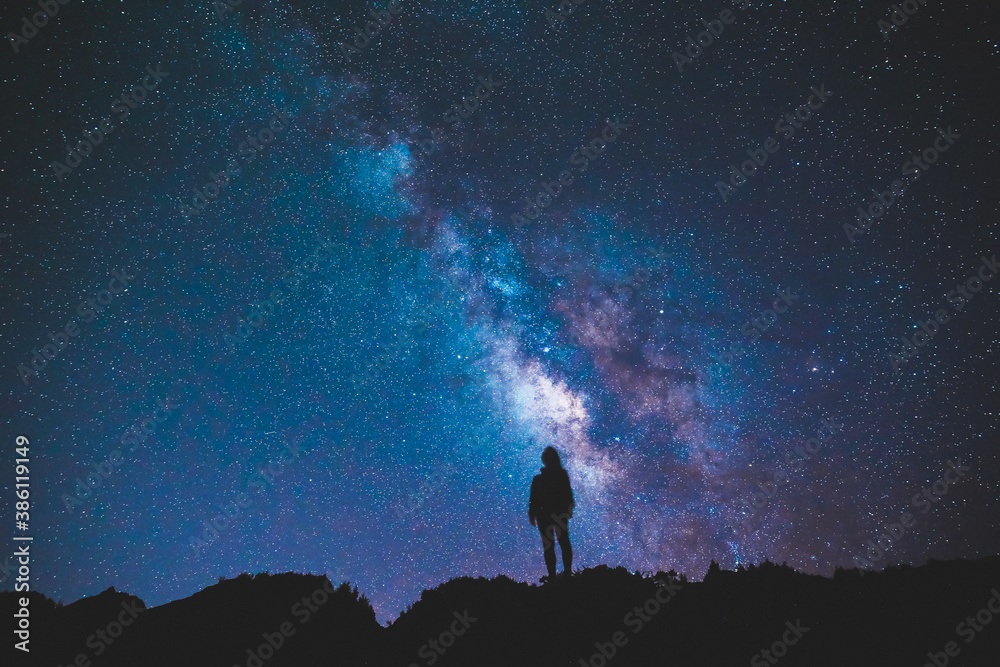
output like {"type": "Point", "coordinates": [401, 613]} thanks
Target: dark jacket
{"type": "Point", "coordinates": [550, 494]}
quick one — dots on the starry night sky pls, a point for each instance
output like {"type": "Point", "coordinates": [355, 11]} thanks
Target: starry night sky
{"type": "Point", "coordinates": [424, 345]}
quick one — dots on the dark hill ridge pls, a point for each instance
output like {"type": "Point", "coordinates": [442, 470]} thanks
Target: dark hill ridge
{"type": "Point", "coordinates": [894, 617]}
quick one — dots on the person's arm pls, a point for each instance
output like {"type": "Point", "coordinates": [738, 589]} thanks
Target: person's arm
{"type": "Point", "coordinates": [572, 500]}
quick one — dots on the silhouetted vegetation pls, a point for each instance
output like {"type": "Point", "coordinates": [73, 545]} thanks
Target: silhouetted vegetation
{"type": "Point", "coordinates": [894, 617]}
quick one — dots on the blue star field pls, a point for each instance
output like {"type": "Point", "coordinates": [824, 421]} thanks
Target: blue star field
{"type": "Point", "coordinates": [351, 358]}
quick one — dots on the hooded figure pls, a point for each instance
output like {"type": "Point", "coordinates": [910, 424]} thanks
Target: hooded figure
{"type": "Point", "coordinates": [551, 506]}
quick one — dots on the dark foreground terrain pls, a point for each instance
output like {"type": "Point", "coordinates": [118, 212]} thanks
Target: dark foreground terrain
{"type": "Point", "coordinates": [599, 617]}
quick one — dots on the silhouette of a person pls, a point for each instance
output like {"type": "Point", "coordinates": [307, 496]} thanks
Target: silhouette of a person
{"type": "Point", "coordinates": [551, 505]}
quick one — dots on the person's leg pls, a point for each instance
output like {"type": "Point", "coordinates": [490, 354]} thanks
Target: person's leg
{"type": "Point", "coordinates": [564, 545]}
{"type": "Point", "coordinates": [548, 546]}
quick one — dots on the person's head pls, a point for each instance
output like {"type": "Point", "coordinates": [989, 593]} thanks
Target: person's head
{"type": "Point", "coordinates": [550, 457]}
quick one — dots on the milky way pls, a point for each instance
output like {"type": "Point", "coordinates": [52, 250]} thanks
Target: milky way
{"type": "Point", "coordinates": [370, 278]}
